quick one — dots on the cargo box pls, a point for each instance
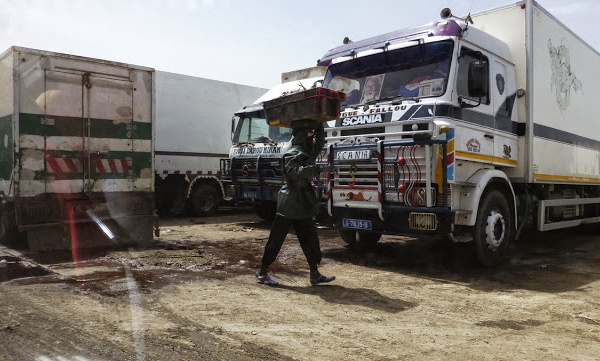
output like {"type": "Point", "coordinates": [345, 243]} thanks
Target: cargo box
{"type": "Point", "coordinates": [318, 104]}
{"type": "Point", "coordinates": [77, 166]}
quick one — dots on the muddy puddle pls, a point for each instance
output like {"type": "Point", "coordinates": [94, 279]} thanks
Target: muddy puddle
{"type": "Point", "coordinates": [116, 273]}
{"type": "Point", "coordinates": [12, 268]}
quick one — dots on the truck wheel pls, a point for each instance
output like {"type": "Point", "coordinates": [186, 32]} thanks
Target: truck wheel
{"type": "Point", "coordinates": [266, 211]}
{"type": "Point", "coordinates": [204, 201]}
{"type": "Point", "coordinates": [360, 238]}
{"type": "Point", "coordinates": [493, 229]}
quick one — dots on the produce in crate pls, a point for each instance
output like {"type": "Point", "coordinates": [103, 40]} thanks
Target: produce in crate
{"type": "Point", "coordinates": [319, 104]}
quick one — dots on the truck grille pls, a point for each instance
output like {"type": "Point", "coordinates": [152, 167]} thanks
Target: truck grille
{"type": "Point", "coordinates": [403, 172]}
{"type": "Point", "coordinates": [256, 170]}
{"type": "Point", "coordinates": [362, 131]}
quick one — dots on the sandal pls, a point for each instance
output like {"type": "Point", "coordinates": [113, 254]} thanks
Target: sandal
{"type": "Point", "coordinates": [265, 279]}
{"type": "Point", "coordinates": [321, 279]}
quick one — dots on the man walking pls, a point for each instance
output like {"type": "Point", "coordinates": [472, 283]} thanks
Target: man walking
{"type": "Point", "coordinates": [297, 203]}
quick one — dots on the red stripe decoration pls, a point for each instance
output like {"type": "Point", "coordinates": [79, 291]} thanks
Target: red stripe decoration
{"type": "Point", "coordinates": [189, 173]}
{"type": "Point", "coordinates": [112, 166]}
{"type": "Point", "coordinates": [115, 166]}
{"type": "Point", "coordinates": [329, 176]}
{"type": "Point", "coordinates": [99, 166]}
{"type": "Point", "coordinates": [63, 165]}
{"type": "Point", "coordinates": [379, 177]}
{"type": "Point", "coordinates": [450, 158]}
{"type": "Point", "coordinates": [52, 165]}
{"type": "Point", "coordinates": [71, 166]}
{"type": "Point", "coordinates": [74, 165]}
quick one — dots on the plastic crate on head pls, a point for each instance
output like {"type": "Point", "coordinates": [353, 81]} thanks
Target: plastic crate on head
{"type": "Point", "coordinates": [319, 104]}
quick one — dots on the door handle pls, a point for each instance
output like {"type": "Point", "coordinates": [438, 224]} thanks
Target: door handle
{"type": "Point", "coordinates": [489, 136]}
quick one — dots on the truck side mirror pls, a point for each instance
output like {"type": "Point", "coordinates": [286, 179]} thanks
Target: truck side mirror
{"type": "Point", "coordinates": [232, 127]}
{"type": "Point", "coordinates": [478, 81]}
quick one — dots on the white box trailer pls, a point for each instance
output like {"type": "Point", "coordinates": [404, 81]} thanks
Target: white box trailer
{"type": "Point", "coordinates": [193, 133]}
{"type": "Point", "coordinates": [76, 158]}
{"type": "Point", "coordinates": [558, 70]}
{"type": "Point", "coordinates": [477, 129]}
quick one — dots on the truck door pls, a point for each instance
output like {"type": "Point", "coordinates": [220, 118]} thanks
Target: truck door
{"type": "Point", "coordinates": [63, 132]}
{"type": "Point", "coordinates": [475, 140]}
{"type": "Point", "coordinates": [503, 90]}
{"type": "Point", "coordinates": [109, 132]}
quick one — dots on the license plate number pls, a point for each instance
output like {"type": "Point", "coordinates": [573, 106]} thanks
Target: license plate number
{"type": "Point", "coordinates": [250, 195]}
{"type": "Point", "coordinates": [353, 154]}
{"type": "Point", "coordinates": [356, 223]}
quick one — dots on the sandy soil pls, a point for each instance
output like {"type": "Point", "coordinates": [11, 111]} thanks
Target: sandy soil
{"type": "Point", "coordinates": [191, 295]}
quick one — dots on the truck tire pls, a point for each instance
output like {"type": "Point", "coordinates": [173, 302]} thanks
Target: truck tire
{"type": "Point", "coordinates": [364, 238]}
{"type": "Point", "coordinates": [266, 210]}
{"type": "Point", "coordinates": [204, 201]}
{"type": "Point", "coordinates": [493, 229]}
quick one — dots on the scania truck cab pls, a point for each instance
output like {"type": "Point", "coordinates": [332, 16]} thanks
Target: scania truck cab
{"type": "Point", "coordinates": [436, 135]}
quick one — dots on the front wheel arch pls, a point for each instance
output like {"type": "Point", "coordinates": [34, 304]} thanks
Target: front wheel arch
{"type": "Point", "coordinates": [484, 180]}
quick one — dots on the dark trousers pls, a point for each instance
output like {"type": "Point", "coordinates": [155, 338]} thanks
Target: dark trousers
{"type": "Point", "coordinates": [307, 236]}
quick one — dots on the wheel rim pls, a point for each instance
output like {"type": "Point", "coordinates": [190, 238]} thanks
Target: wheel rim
{"type": "Point", "coordinates": [495, 230]}
{"type": "Point", "coordinates": [205, 202]}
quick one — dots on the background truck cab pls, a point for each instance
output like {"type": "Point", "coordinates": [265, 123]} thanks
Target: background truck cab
{"type": "Point", "coordinates": [254, 167]}
{"type": "Point", "coordinates": [192, 130]}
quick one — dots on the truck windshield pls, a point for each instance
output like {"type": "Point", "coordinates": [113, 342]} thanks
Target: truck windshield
{"type": "Point", "coordinates": [252, 127]}
{"type": "Point", "coordinates": [416, 71]}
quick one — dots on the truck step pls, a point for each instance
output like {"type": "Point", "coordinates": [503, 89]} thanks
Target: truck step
{"type": "Point", "coordinates": [465, 184]}
{"type": "Point", "coordinates": [463, 211]}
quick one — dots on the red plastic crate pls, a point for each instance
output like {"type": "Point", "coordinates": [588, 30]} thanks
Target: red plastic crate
{"type": "Point", "coordinates": [319, 104]}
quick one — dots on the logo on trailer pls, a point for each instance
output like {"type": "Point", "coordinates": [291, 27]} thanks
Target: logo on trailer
{"type": "Point", "coordinates": [563, 79]}
{"type": "Point", "coordinates": [474, 146]}
{"type": "Point", "coordinates": [507, 151]}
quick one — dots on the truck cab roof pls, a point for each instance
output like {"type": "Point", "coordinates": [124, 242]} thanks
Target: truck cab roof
{"type": "Point", "coordinates": [427, 33]}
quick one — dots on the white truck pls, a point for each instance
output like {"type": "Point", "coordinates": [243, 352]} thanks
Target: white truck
{"type": "Point", "coordinates": [76, 160]}
{"type": "Point", "coordinates": [254, 169]}
{"type": "Point", "coordinates": [470, 127]}
{"type": "Point", "coordinates": [192, 135]}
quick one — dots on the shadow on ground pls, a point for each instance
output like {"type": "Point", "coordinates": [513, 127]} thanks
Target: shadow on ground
{"type": "Point", "coordinates": [353, 296]}
{"type": "Point", "coordinates": [557, 261]}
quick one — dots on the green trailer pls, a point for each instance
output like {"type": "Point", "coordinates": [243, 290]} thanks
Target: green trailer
{"type": "Point", "coordinates": [76, 151]}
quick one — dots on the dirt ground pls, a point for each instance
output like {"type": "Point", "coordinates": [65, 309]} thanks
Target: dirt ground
{"type": "Point", "coordinates": [191, 295]}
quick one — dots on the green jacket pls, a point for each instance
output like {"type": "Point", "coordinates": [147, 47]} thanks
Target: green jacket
{"type": "Point", "coordinates": [297, 199]}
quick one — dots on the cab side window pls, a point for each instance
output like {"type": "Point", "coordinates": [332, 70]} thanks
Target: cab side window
{"type": "Point", "coordinates": [465, 61]}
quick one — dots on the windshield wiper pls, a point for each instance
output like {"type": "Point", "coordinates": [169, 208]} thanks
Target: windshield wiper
{"type": "Point", "coordinates": [391, 97]}
{"type": "Point", "coordinates": [396, 100]}
{"type": "Point", "coordinates": [402, 99]}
